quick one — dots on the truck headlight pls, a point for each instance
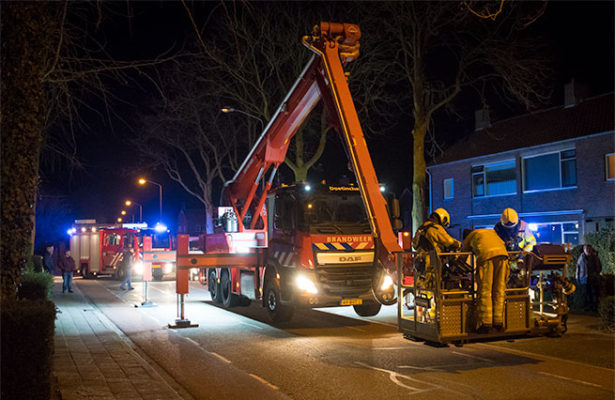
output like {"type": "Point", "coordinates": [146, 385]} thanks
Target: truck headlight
{"type": "Point", "coordinates": [168, 268]}
{"type": "Point", "coordinates": [138, 268]}
{"type": "Point", "coordinates": [305, 284]}
{"type": "Point", "coordinates": [387, 282]}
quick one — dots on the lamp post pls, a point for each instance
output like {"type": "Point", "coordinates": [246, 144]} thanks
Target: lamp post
{"type": "Point", "coordinates": [130, 203]}
{"type": "Point", "coordinates": [227, 110]}
{"type": "Point", "coordinates": [143, 181]}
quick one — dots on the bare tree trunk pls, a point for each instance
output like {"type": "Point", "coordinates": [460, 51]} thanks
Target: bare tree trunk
{"type": "Point", "coordinates": [300, 168]}
{"type": "Point", "coordinates": [209, 220]}
{"type": "Point", "coordinates": [418, 175]}
{"type": "Point", "coordinates": [27, 33]}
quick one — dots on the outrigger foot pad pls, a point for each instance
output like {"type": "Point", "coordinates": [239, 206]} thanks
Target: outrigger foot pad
{"type": "Point", "coordinates": [182, 323]}
{"type": "Point", "coordinates": [149, 303]}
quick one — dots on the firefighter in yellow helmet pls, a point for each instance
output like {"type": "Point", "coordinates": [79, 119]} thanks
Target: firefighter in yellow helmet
{"type": "Point", "coordinates": [432, 235]}
{"type": "Point", "coordinates": [492, 272]}
{"type": "Point", "coordinates": [516, 234]}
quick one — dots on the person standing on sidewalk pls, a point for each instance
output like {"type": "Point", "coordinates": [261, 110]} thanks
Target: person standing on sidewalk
{"type": "Point", "coordinates": [126, 265]}
{"type": "Point", "coordinates": [48, 263]}
{"type": "Point", "coordinates": [588, 272]}
{"type": "Point", "coordinates": [67, 265]}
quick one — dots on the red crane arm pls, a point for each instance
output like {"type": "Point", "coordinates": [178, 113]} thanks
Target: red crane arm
{"type": "Point", "coordinates": [323, 77]}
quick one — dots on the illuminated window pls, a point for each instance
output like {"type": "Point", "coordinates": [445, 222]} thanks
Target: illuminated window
{"type": "Point", "coordinates": [557, 232]}
{"type": "Point", "coordinates": [449, 188]}
{"type": "Point", "coordinates": [494, 179]}
{"type": "Point", "coordinates": [550, 171]}
{"type": "Point", "coordinates": [609, 162]}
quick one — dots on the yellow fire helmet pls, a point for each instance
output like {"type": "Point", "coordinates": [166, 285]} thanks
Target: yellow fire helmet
{"type": "Point", "coordinates": [509, 218]}
{"type": "Point", "coordinates": [443, 216]}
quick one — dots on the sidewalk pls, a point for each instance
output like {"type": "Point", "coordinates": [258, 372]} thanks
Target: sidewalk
{"type": "Point", "coordinates": [93, 360]}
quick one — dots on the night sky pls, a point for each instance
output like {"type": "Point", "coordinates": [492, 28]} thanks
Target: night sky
{"type": "Point", "coordinates": [582, 40]}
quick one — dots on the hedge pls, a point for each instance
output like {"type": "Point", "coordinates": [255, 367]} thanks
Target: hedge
{"type": "Point", "coordinates": [606, 310]}
{"type": "Point", "coordinates": [27, 349]}
{"type": "Point", "coordinates": [35, 285]}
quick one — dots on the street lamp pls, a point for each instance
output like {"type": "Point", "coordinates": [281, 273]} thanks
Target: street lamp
{"type": "Point", "coordinates": [130, 202]}
{"type": "Point", "coordinates": [123, 212]}
{"type": "Point", "coordinates": [227, 110]}
{"type": "Point", "coordinates": [119, 220]}
{"type": "Point", "coordinates": [143, 181]}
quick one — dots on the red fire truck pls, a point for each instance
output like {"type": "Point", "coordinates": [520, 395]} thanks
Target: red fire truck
{"type": "Point", "coordinates": [302, 245]}
{"type": "Point", "coordinates": [157, 247]}
{"type": "Point", "coordinates": [103, 250]}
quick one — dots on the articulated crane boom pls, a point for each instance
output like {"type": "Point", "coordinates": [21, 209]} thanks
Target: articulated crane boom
{"type": "Point", "coordinates": [334, 45]}
{"type": "Point", "coordinates": [297, 258]}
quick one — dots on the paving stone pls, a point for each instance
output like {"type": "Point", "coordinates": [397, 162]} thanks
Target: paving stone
{"type": "Point", "coordinates": [92, 362]}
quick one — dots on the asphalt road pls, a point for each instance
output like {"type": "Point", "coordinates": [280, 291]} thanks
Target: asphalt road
{"type": "Point", "coordinates": [334, 354]}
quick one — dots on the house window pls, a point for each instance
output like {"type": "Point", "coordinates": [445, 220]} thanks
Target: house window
{"type": "Point", "coordinates": [550, 171]}
{"type": "Point", "coordinates": [610, 166]}
{"type": "Point", "coordinates": [449, 188]}
{"type": "Point", "coordinates": [494, 179]}
{"type": "Point", "coordinates": [556, 232]}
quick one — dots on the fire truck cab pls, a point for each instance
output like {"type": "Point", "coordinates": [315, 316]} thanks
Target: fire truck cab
{"type": "Point", "coordinates": [157, 248]}
{"type": "Point", "coordinates": [321, 246]}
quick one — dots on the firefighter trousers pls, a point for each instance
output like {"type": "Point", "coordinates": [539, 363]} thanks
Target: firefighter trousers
{"type": "Point", "coordinates": [492, 277]}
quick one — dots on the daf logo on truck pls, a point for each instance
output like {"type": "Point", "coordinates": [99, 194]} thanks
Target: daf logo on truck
{"type": "Point", "coordinates": [350, 259]}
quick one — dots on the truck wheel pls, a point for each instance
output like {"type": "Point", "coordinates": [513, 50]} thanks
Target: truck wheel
{"type": "Point", "coordinates": [157, 274]}
{"type": "Point", "coordinates": [277, 311]}
{"type": "Point", "coordinates": [85, 271]}
{"type": "Point", "coordinates": [214, 287]}
{"type": "Point", "coordinates": [120, 273]}
{"type": "Point", "coordinates": [367, 310]}
{"type": "Point", "coordinates": [229, 299]}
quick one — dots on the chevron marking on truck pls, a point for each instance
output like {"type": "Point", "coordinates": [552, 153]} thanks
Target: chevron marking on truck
{"type": "Point", "coordinates": [343, 246]}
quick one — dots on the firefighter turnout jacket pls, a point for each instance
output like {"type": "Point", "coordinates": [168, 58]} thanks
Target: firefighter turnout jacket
{"type": "Point", "coordinates": [519, 237]}
{"type": "Point", "coordinates": [433, 236]}
{"type": "Point", "coordinates": [492, 274]}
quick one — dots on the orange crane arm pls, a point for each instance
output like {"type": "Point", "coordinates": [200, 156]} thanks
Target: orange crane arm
{"type": "Point", "coordinates": [334, 45]}
{"type": "Point", "coordinates": [338, 43]}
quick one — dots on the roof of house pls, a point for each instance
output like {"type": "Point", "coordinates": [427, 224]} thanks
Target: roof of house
{"type": "Point", "coordinates": [593, 115]}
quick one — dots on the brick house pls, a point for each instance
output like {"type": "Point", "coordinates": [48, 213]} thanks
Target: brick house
{"type": "Point", "coordinates": [556, 167]}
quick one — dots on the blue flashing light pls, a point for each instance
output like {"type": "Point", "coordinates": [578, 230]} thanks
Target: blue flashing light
{"type": "Point", "coordinates": [160, 228]}
{"type": "Point", "coordinates": [382, 188]}
{"type": "Point", "coordinates": [307, 188]}
{"type": "Point", "coordinates": [533, 227]}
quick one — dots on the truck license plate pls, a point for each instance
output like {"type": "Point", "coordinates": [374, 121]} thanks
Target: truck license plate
{"type": "Point", "coordinates": [351, 302]}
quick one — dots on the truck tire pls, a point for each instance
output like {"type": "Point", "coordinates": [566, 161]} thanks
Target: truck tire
{"type": "Point", "coordinates": [367, 310]}
{"type": "Point", "coordinates": [229, 299]}
{"type": "Point", "coordinates": [157, 274]}
{"type": "Point", "coordinates": [85, 271]}
{"type": "Point", "coordinates": [276, 311]}
{"type": "Point", "coordinates": [214, 287]}
{"type": "Point", "coordinates": [120, 273]}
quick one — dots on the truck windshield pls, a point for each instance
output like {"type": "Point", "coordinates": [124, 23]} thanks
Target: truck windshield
{"type": "Point", "coordinates": [335, 209]}
{"type": "Point", "coordinates": [161, 241]}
